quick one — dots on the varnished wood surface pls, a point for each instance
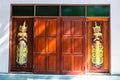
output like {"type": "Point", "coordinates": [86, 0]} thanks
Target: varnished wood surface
{"type": "Point", "coordinates": [60, 45]}
{"type": "Point", "coordinates": [14, 41]}
{"type": "Point", "coordinates": [46, 45]}
{"type": "Point", "coordinates": [73, 45]}
{"type": "Point", "coordinates": [104, 23]}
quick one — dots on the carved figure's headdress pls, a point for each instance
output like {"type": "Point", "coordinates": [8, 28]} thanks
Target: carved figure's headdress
{"type": "Point", "coordinates": [96, 27]}
{"type": "Point", "coordinates": [23, 27]}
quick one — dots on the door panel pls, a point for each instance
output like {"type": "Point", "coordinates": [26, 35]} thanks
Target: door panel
{"type": "Point", "coordinates": [51, 45]}
{"type": "Point", "coordinates": [78, 63]}
{"type": "Point", "coordinates": [39, 47]}
{"type": "Point", "coordinates": [77, 27]}
{"type": "Point", "coordinates": [41, 60]}
{"type": "Point", "coordinates": [16, 22]}
{"type": "Point", "coordinates": [103, 24]}
{"type": "Point", "coordinates": [39, 28]}
{"type": "Point", "coordinates": [66, 30]}
{"type": "Point", "coordinates": [73, 45]}
{"type": "Point", "coordinates": [78, 45]}
{"type": "Point", "coordinates": [66, 63]}
{"type": "Point", "coordinates": [67, 45]}
{"type": "Point", "coordinates": [46, 45]}
{"type": "Point", "coordinates": [52, 63]}
{"type": "Point", "coordinates": [51, 30]}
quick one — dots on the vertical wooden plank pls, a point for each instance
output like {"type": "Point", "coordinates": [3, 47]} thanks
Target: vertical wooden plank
{"type": "Point", "coordinates": [14, 44]}
{"type": "Point", "coordinates": [106, 40]}
{"type": "Point", "coordinates": [89, 43]}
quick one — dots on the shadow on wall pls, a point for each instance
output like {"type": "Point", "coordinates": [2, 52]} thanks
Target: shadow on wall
{"type": "Point", "coordinates": [4, 46]}
{"type": "Point", "coordinates": [4, 38]}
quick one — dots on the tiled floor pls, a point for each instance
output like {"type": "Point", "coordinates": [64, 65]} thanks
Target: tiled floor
{"type": "Point", "coordinates": [57, 77]}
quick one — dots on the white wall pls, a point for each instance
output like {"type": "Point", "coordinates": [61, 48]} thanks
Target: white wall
{"type": "Point", "coordinates": [5, 28]}
{"type": "Point", "coordinates": [4, 34]}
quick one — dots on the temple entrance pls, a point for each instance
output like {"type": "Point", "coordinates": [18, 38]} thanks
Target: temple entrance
{"type": "Point", "coordinates": [66, 40]}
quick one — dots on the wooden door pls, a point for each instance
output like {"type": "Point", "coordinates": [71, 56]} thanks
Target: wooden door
{"type": "Point", "coordinates": [72, 45]}
{"type": "Point", "coordinates": [16, 22]}
{"type": "Point", "coordinates": [46, 45]}
{"type": "Point", "coordinates": [98, 57]}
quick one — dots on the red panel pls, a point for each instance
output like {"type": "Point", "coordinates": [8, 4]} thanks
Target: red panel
{"type": "Point", "coordinates": [51, 27]}
{"type": "Point", "coordinates": [40, 44]}
{"type": "Point", "coordinates": [51, 46]}
{"type": "Point", "coordinates": [39, 28]}
{"type": "Point", "coordinates": [78, 45]}
{"type": "Point", "coordinates": [66, 27]}
{"type": "Point", "coordinates": [78, 63]}
{"type": "Point", "coordinates": [52, 63]}
{"type": "Point", "coordinates": [77, 27]}
{"type": "Point", "coordinates": [67, 63]}
{"type": "Point", "coordinates": [66, 45]}
{"type": "Point", "coordinates": [41, 63]}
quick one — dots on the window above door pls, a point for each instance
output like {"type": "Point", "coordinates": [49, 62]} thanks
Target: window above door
{"type": "Point", "coordinates": [61, 10]}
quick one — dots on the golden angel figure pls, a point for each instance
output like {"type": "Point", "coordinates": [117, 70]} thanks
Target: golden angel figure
{"type": "Point", "coordinates": [22, 49]}
{"type": "Point", "coordinates": [97, 47]}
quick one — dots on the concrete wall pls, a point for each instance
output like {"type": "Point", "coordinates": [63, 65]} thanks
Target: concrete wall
{"type": "Point", "coordinates": [5, 28]}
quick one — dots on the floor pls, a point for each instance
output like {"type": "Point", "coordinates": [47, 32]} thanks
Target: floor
{"type": "Point", "coordinates": [11, 76]}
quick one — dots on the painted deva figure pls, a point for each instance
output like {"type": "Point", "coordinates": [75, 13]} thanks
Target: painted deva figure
{"type": "Point", "coordinates": [22, 49]}
{"type": "Point", "coordinates": [97, 47]}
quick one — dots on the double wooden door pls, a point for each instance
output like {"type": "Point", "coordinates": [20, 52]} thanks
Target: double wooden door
{"type": "Point", "coordinates": [59, 45]}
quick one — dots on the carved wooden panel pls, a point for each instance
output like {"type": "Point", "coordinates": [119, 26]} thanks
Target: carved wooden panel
{"type": "Point", "coordinates": [101, 55]}
{"type": "Point", "coordinates": [16, 22]}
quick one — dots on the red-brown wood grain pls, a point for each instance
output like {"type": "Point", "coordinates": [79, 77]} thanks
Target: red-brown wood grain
{"type": "Point", "coordinates": [73, 45]}
{"type": "Point", "coordinates": [46, 45]}
{"type": "Point", "coordinates": [60, 45]}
